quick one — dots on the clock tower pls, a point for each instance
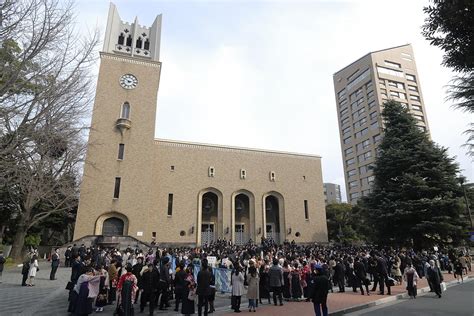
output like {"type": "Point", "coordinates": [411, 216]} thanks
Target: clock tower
{"type": "Point", "coordinates": [120, 147]}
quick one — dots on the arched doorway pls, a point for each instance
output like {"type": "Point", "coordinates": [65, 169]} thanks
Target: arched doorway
{"type": "Point", "coordinates": [111, 224]}
{"type": "Point", "coordinates": [209, 217]}
{"type": "Point", "coordinates": [242, 219]}
{"type": "Point", "coordinates": [113, 227]}
{"type": "Point", "coordinates": [272, 218]}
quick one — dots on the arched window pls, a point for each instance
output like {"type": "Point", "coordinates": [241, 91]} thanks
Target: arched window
{"type": "Point", "coordinates": [147, 44]}
{"type": "Point", "coordinates": [125, 111]}
{"type": "Point", "coordinates": [139, 43]}
{"type": "Point", "coordinates": [129, 40]}
{"type": "Point", "coordinates": [121, 39]}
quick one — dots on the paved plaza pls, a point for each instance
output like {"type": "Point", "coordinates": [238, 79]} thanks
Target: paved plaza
{"type": "Point", "coordinates": [49, 298]}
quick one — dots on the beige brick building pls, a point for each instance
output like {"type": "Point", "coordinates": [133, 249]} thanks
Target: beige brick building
{"type": "Point", "coordinates": [361, 88]}
{"type": "Point", "coordinates": [181, 192]}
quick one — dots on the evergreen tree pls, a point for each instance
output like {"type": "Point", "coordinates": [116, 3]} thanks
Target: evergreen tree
{"type": "Point", "coordinates": [416, 197]}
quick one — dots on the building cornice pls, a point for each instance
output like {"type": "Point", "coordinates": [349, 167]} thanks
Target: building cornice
{"type": "Point", "coordinates": [233, 149]}
{"type": "Point", "coordinates": [131, 60]}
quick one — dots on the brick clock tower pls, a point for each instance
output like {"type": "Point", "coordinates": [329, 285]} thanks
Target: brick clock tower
{"type": "Point", "coordinates": [120, 148]}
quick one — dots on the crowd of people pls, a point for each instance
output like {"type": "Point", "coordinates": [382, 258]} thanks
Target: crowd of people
{"type": "Point", "coordinates": [264, 272]}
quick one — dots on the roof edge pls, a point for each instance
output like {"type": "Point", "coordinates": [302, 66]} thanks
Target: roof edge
{"type": "Point", "coordinates": [237, 148]}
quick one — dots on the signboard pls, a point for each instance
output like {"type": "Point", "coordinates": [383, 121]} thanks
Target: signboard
{"type": "Point", "coordinates": [212, 261]}
{"type": "Point", "coordinates": [139, 234]}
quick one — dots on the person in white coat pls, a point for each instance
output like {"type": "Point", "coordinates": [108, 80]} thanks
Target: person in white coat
{"type": "Point", "coordinates": [32, 272]}
{"type": "Point", "coordinates": [237, 288]}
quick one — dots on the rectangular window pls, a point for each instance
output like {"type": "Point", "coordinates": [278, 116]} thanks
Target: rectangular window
{"type": "Point", "coordinates": [343, 103]}
{"type": "Point", "coordinates": [351, 173]}
{"type": "Point", "coordinates": [416, 107]}
{"type": "Point", "coordinates": [211, 171]}
{"type": "Point", "coordinates": [374, 125]}
{"type": "Point", "coordinates": [348, 151]}
{"type": "Point", "coordinates": [170, 204]}
{"type": "Point", "coordinates": [410, 77]}
{"type": "Point", "coordinates": [346, 131]}
{"type": "Point", "coordinates": [344, 112]}
{"type": "Point", "coordinates": [353, 184]}
{"type": "Point", "coordinates": [361, 133]}
{"type": "Point", "coordinates": [347, 140]}
{"type": "Point", "coordinates": [306, 213]}
{"type": "Point", "coordinates": [413, 88]}
{"type": "Point", "coordinates": [397, 94]}
{"type": "Point", "coordinates": [419, 118]}
{"type": "Point", "coordinates": [350, 161]}
{"type": "Point", "coordinates": [373, 115]}
{"type": "Point", "coordinates": [341, 93]}
{"type": "Point", "coordinates": [354, 195]}
{"type": "Point", "coordinates": [345, 121]}
{"type": "Point", "coordinates": [370, 94]}
{"type": "Point", "coordinates": [388, 71]}
{"type": "Point", "coordinates": [358, 79]}
{"type": "Point", "coordinates": [377, 138]}
{"type": "Point", "coordinates": [392, 64]}
{"type": "Point", "coordinates": [371, 104]}
{"type": "Point", "coordinates": [121, 151]}
{"type": "Point", "coordinates": [368, 85]}
{"type": "Point", "coordinates": [117, 188]}
{"type": "Point", "coordinates": [396, 84]}
{"type": "Point", "coordinates": [414, 97]}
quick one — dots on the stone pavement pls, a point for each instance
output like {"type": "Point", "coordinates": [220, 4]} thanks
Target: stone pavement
{"type": "Point", "coordinates": [49, 298]}
{"type": "Point", "coordinates": [342, 303]}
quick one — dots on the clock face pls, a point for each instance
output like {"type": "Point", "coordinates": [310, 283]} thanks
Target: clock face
{"type": "Point", "coordinates": [128, 81]}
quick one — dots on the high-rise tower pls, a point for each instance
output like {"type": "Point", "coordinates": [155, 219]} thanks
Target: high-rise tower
{"type": "Point", "coordinates": [123, 125]}
{"type": "Point", "coordinates": [361, 88]}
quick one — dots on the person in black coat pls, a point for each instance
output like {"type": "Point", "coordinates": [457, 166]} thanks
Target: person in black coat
{"type": "Point", "coordinates": [179, 285]}
{"type": "Point", "coordinates": [136, 269]}
{"type": "Point", "coordinates": [54, 264]}
{"type": "Point", "coordinates": [435, 277]}
{"type": "Point", "coordinates": [149, 286]}
{"type": "Point", "coordinates": [382, 271]}
{"type": "Point", "coordinates": [361, 275]}
{"type": "Point", "coordinates": [203, 289]}
{"type": "Point", "coordinates": [319, 289]}
{"type": "Point", "coordinates": [164, 282]}
{"type": "Point", "coordinates": [339, 274]}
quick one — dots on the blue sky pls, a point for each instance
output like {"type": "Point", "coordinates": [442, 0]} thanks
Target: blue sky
{"type": "Point", "coordinates": [259, 73]}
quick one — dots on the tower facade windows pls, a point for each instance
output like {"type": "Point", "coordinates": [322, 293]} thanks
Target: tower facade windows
{"type": "Point", "coordinates": [121, 39]}
{"type": "Point", "coordinates": [139, 43]}
{"type": "Point", "coordinates": [129, 40]}
{"type": "Point", "coordinates": [125, 113]}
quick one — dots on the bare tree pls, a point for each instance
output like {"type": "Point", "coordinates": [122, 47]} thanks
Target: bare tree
{"type": "Point", "coordinates": [45, 94]}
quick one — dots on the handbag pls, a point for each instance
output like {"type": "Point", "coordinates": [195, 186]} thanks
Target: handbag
{"type": "Point", "coordinates": [192, 295]}
{"type": "Point", "coordinates": [443, 286]}
{"type": "Point", "coordinates": [69, 286]}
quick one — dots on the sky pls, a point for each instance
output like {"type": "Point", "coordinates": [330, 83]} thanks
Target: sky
{"type": "Point", "coordinates": [259, 73]}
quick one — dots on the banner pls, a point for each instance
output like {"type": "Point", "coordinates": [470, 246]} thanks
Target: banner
{"type": "Point", "coordinates": [223, 280]}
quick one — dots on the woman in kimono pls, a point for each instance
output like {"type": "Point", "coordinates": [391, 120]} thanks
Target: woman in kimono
{"type": "Point", "coordinates": [410, 276]}
{"type": "Point", "coordinates": [263, 286]}
{"type": "Point", "coordinates": [295, 283]}
{"type": "Point", "coordinates": [187, 308]}
{"type": "Point", "coordinates": [84, 293]}
{"type": "Point", "coordinates": [101, 300]}
{"type": "Point", "coordinates": [126, 291]}
{"type": "Point", "coordinates": [286, 281]}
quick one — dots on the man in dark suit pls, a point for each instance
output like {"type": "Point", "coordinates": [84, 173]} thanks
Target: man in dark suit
{"type": "Point", "coordinates": [203, 287]}
{"type": "Point", "coordinates": [319, 288]}
{"type": "Point", "coordinates": [149, 286]}
{"type": "Point", "coordinates": [54, 264]}
{"type": "Point", "coordinates": [382, 271]}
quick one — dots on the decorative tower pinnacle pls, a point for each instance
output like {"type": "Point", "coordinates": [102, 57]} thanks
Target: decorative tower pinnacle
{"type": "Point", "coordinates": [132, 39]}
